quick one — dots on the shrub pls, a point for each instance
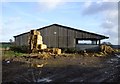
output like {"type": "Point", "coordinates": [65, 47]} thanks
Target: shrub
{"type": "Point", "coordinates": [69, 50]}
{"type": "Point", "coordinates": [64, 50]}
{"type": "Point", "coordinates": [20, 49]}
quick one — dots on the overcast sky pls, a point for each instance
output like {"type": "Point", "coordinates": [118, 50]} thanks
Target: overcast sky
{"type": "Point", "coordinates": [97, 16]}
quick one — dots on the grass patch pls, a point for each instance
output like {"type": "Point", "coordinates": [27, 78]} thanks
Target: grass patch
{"type": "Point", "coordinates": [20, 49]}
{"type": "Point", "coordinates": [118, 50]}
{"type": "Point", "coordinates": [9, 53]}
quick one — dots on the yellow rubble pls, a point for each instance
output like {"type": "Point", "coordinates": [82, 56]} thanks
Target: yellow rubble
{"type": "Point", "coordinates": [36, 44]}
{"type": "Point", "coordinates": [106, 49]}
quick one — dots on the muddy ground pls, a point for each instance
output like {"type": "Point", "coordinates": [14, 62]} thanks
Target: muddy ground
{"type": "Point", "coordinates": [75, 68]}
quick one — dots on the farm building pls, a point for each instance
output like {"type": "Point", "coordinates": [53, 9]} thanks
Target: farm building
{"type": "Point", "coordinates": [60, 36]}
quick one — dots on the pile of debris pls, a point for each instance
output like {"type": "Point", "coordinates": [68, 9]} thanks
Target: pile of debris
{"type": "Point", "coordinates": [105, 50]}
{"type": "Point", "coordinates": [35, 41]}
{"type": "Point", "coordinates": [36, 44]}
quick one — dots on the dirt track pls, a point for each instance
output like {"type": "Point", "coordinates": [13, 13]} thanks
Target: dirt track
{"type": "Point", "coordinates": [63, 69]}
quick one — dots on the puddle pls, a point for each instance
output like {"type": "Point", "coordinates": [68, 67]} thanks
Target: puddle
{"type": "Point", "coordinates": [109, 62]}
{"type": "Point", "coordinates": [44, 80]}
{"type": "Point", "coordinates": [113, 60]}
{"type": "Point", "coordinates": [117, 55]}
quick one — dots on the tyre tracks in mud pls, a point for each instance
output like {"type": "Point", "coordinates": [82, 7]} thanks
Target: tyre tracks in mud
{"type": "Point", "coordinates": [108, 73]}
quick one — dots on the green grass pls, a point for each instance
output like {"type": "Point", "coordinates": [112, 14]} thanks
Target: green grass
{"type": "Point", "coordinates": [5, 45]}
{"type": "Point", "coordinates": [118, 50]}
{"type": "Point", "coordinates": [9, 53]}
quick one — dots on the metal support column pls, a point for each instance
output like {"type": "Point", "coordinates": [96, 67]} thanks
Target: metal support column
{"type": "Point", "coordinates": [99, 42]}
{"type": "Point", "coordinates": [96, 42]}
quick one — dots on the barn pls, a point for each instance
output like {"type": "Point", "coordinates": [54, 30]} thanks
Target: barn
{"type": "Point", "coordinates": [60, 36]}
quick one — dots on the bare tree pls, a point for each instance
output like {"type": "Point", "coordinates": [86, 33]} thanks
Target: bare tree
{"type": "Point", "coordinates": [10, 40]}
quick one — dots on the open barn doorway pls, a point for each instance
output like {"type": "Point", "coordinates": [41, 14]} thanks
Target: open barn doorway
{"type": "Point", "coordinates": [83, 44]}
{"type": "Point", "coordinates": [87, 41]}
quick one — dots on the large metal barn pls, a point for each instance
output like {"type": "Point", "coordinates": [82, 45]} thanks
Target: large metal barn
{"type": "Point", "coordinates": [60, 36]}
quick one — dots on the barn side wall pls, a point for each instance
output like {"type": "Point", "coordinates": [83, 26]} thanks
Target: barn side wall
{"type": "Point", "coordinates": [22, 39]}
{"type": "Point", "coordinates": [55, 36]}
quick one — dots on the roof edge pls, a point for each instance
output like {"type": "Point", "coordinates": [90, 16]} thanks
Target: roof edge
{"type": "Point", "coordinates": [104, 37]}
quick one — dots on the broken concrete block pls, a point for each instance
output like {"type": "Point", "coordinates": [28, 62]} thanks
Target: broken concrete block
{"type": "Point", "coordinates": [59, 51]}
{"type": "Point", "coordinates": [39, 65]}
{"type": "Point", "coordinates": [33, 32]}
{"type": "Point", "coordinates": [39, 39]}
{"type": "Point", "coordinates": [45, 56]}
{"type": "Point", "coordinates": [56, 51]}
{"type": "Point", "coordinates": [37, 32]}
{"type": "Point", "coordinates": [42, 46]}
{"type": "Point", "coordinates": [106, 49]}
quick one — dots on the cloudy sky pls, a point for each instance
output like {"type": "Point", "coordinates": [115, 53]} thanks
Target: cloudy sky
{"type": "Point", "coordinates": [97, 16]}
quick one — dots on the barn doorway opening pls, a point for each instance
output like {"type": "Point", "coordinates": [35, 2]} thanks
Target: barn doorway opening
{"type": "Point", "coordinates": [87, 44]}
{"type": "Point", "coordinates": [87, 41]}
{"type": "Point", "coordinates": [84, 42]}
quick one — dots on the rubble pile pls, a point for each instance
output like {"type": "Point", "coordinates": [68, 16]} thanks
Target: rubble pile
{"type": "Point", "coordinates": [35, 41]}
{"type": "Point", "coordinates": [36, 44]}
{"type": "Point", "coordinates": [106, 49]}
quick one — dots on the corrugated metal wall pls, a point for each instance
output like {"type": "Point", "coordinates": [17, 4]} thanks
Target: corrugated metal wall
{"type": "Point", "coordinates": [22, 39]}
{"type": "Point", "coordinates": [55, 36]}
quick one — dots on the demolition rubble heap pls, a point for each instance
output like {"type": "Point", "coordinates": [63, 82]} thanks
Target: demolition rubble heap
{"type": "Point", "coordinates": [107, 49]}
{"type": "Point", "coordinates": [35, 41]}
{"type": "Point", "coordinates": [36, 44]}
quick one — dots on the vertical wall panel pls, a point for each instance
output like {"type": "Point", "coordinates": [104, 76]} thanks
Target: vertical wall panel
{"type": "Point", "coordinates": [71, 35]}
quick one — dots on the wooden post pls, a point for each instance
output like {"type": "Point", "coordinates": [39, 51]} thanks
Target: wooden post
{"type": "Point", "coordinates": [76, 41]}
{"type": "Point", "coordinates": [96, 42]}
